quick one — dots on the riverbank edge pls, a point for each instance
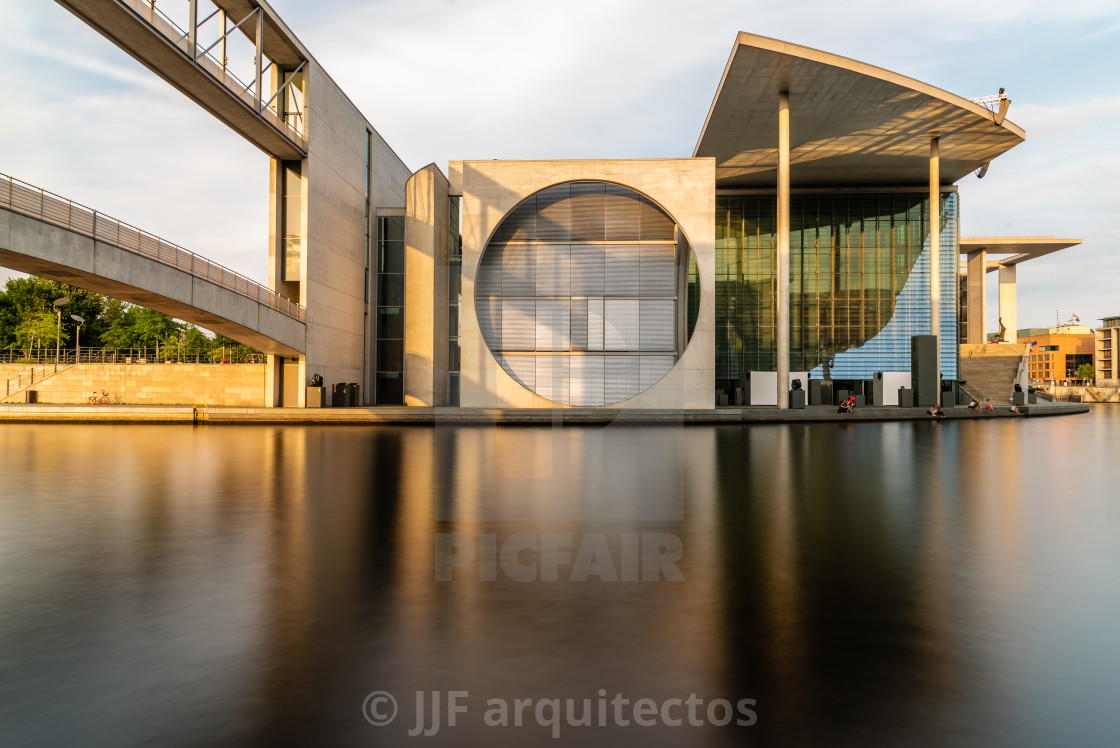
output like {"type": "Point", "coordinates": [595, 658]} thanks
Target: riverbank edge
{"type": "Point", "coordinates": [399, 415]}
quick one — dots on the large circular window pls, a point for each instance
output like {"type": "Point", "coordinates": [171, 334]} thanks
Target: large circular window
{"type": "Point", "coordinates": [581, 293]}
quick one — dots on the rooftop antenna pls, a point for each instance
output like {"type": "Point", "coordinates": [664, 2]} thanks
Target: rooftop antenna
{"type": "Point", "coordinates": [997, 104]}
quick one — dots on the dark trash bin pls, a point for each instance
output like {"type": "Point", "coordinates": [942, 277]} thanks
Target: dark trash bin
{"type": "Point", "coordinates": [905, 397]}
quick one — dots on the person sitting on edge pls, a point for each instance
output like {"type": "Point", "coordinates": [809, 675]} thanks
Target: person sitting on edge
{"type": "Point", "coordinates": [973, 405]}
{"type": "Point", "coordinates": [1015, 409]}
{"type": "Point", "coordinates": [846, 405]}
{"type": "Point", "coordinates": [988, 404]}
{"type": "Point", "coordinates": [936, 411]}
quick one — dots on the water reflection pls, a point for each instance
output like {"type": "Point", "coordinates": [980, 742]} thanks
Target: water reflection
{"type": "Point", "coordinates": [918, 583]}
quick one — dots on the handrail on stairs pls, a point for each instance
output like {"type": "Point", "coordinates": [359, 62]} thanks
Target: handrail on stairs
{"type": "Point", "coordinates": [1022, 374]}
{"type": "Point", "coordinates": [27, 379]}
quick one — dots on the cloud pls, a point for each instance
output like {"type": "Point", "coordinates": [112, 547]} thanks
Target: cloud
{"type": "Point", "coordinates": [88, 64]}
{"type": "Point", "coordinates": [445, 80]}
{"type": "Point", "coordinates": [87, 122]}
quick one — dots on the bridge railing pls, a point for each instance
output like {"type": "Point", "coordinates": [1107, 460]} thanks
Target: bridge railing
{"type": "Point", "coordinates": [161, 22]}
{"type": "Point", "coordinates": [21, 197]}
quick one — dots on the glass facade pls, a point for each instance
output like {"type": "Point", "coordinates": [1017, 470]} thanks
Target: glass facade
{"type": "Point", "coordinates": [390, 311]}
{"type": "Point", "coordinates": [454, 299]}
{"type": "Point", "coordinates": [369, 209]}
{"type": "Point", "coordinates": [859, 283]}
{"type": "Point", "coordinates": [962, 306]}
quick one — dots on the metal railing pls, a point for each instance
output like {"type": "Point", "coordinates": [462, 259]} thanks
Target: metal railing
{"type": "Point", "coordinates": [159, 21]}
{"type": "Point", "coordinates": [163, 354]}
{"type": "Point", "coordinates": [38, 373]}
{"type": "Point", "coordinates": [21, 197]}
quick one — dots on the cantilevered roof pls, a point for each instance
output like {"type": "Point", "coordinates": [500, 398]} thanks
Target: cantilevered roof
{"type": "Point", "coordinates": [1021, 248]}
{"type": "Point", "coordinates": [850, 123]}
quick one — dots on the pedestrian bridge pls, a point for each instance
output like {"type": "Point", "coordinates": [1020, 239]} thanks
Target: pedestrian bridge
{"type": "Point", "coordinates": [52, 237]}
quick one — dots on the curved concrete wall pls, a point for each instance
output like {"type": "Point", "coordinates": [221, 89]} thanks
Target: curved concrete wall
{"type": "Point", "coordinates": [685, 188]}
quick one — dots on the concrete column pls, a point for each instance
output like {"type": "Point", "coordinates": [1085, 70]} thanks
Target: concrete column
{"type": "Point", "coordinates": [1115, 353]}
{"type": "Point", "coordinates": [221, 48]}
{"type": "Point", "coordinates": [260, 45]}
{"type": "Point", "coordinates": [977, 297]}
{"type": "Point", "coordinates": [935, 242]}
{"type": "Point", "coordinates": [783, 251]}
{"type": "Point", "coordinates": [426, 221]}
{"type": "Point", "coordinates": [272, 377]}
{"type": "Point", "coordinates": [192, 28]}
{"type": "Point", "coordinates": [303, 381]}
{"type": "Point", "coordinates": [1008, 314]}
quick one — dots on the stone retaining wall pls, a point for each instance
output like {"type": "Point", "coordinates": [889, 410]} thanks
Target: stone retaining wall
{"type": "Point", "coordinates": [149, 384]}
{"type": "Point", "coordinates": [1092, 394]}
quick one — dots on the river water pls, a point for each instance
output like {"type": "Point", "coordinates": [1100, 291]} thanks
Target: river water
{"type": "Point", "coordinates": [861, 584]}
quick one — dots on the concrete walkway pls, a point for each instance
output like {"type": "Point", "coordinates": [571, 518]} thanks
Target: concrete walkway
{"type": "Point", "coordinates": [28, 413]}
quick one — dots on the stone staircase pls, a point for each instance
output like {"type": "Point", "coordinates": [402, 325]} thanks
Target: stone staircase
{"type": "Point", "coordinates": [35, 375]}
{"type": "Point", "coordinates": [990, 370]}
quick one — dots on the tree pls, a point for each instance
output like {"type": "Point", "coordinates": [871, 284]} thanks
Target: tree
{"type": "Point", "coordinates": [188, 342]}
{"type": "Point", "coordinates": [152, 328]}
{"type": "Point", "coordinates": [1086, 372]}
{"type": "Point", "coordinates": [41, 327]}
{"type": "Point", "coordinates": [136, 327]}
{"type": "Point", "coordinates": [118, 331]}
{"type": "Point", "coordinates": [27, 313]}
{"type": "Point", "coordinates": [230, 348]}
{"type": "Point", "coordinates": [23, 300]}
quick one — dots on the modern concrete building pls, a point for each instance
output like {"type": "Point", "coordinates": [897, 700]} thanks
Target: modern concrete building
{"type": "Point", "coordinates": [1107, 350]}
{"type": "Point", "coordinates": [330, 169]}
{"type": "Point", "coordinates": [1056, 352]}
{"type": "Point", "coordinates": [1006, 254]}
{"type": "Point", "coordinates": [811, 233]}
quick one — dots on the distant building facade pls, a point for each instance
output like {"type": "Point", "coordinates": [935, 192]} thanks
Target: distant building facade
{"type": "Point", "coordinates": [1107, 353]}
{"type": "Point", "coordinates": [1057, 352]}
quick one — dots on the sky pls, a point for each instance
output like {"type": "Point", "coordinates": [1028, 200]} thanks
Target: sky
{"type": "Point", "coordinates": [479, 79]}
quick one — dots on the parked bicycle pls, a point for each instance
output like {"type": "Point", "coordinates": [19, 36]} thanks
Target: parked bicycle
{"type": "Point", "coordinates": [102, 399]}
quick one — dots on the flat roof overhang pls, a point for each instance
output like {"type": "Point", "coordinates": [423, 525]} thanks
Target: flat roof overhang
{"type": "Point", "coordinates": [1020, 248]}
{"type": "Point", "coordinates": [850, 123]}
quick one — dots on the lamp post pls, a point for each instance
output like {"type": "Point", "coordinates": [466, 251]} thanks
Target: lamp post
{"type": "Point", "coordinates": [77, 337]}
{"type": "Point", "coordinates": [58, 304]}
